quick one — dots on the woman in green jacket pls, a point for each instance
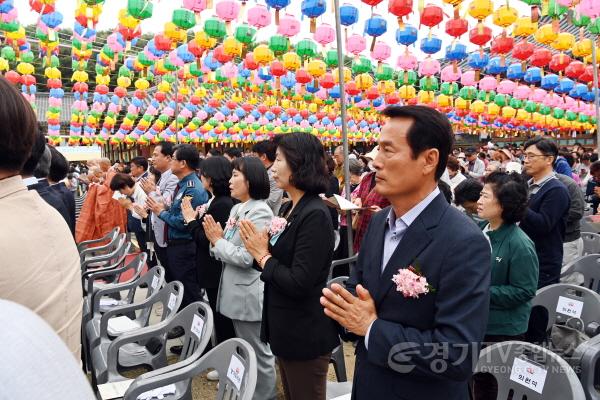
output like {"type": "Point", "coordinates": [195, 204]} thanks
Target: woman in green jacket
{"type": "Point", "coordinates": [502, 204]}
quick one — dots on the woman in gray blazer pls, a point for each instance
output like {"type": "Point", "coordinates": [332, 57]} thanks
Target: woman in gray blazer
{"type": "Point", "coordinates": [241, 290]}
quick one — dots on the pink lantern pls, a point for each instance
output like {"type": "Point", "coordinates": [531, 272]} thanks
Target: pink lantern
{"type": "Point", "coordinates": [259, 16]}
{"type": "Point", "coordinates": [356, 44]}
{"type": "Point", "coordinates": [113, 108]}
{"type": "Point", "coordinates": [196, 6]}
{"type": "Point", "coordinates": [590, 8]}
{"type": "Point", "coordinates": [178, 62]}
{"type": "Point", "coordinates": [506, 87]}
{"type": "Point", "coordinates": [522, 92]}
{"type": "Point", "coordinates": [429, 67]}
{"type": "Point", "coordinates": [54, 102]}
{"type": "Point", "coordinates": [288, 25]}
{"type": "Point", "coordinates": [450, 73]}
{"type": "Point", "coordinates": [202, 115]}
{"type": "Point", "coordinates": [228, 10]}
{"type": "Point", "coordinates": [322, 94]}
{"type": "Point", "coordinates": [381, 51]}
{"type": "Point", "coordinates": [407, 61]}
{"type": "Point", "coordinates": [324, 34]}
{"type": "Point", "coordinates": [113, 43]}
{"type": "Point", "coordinates": [488, 83]}
{"type": "Point", "coordinates": [468, 78]}
{"type": "Point", "coordinates": [151, 110]}
{"type": "Point", "coordinates": [229, 70]}
{"type": "Point", "coordinates": [12, 15]}
{"type": "Point", "coordinates": [168, 111]}
{"type": "Point", "coordinates": [570, 103]}
{"type": "Point", "coordinates": [538, 95]}
{"type": "Point", "coordinates": [132, 109]}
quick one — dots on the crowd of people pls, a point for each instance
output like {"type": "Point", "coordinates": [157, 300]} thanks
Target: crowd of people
{"type": "Point", "coordinates": [249, 230]}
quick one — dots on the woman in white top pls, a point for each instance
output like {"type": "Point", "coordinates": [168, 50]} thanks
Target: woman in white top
{"type": "Point", "coordinates": [125, 185]}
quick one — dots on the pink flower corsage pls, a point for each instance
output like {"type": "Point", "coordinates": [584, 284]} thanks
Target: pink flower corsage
{"type": "Point", "coordinates": [411, 282]}
{"type": "Point", "coordinates": [231, 224]}
{"type": "Point", "coordinates": [201, 210]}
{"type": "Point", "coordinates": [276, 228]}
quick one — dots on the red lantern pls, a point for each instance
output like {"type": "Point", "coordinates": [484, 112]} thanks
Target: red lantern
{"type": "Point", "coordinates": [41, 7]}
{"type": "Point", "coordinates": [159, 96]}
{"type": "Point", "coordinates": [540, 57]}
{"type": "Point", "coordinates": [194, 48]}
{"type": "Point", "coordinates": [214, 103]}
{"type": "Point", "coordinates": [292, 112]}
{"type": "Point", "coordinates": [372, 3]}
{"type": "Point", "coordinates": [163, 43]}
{"type": "Point", "coordinates": [352, 89]}
{"type": "Point", "coordinates": [221, 56]}
{"type": "Point", "coordinates": [480, 35]}
{"type": "Point", "coordinates": [277, 68]}
{"type": "Point", "coordinates": [392, 98]}
{"type": "Point", "coordinates": [559, 62]}
{"type": "Point", "coordinates": [303, 77]}
{"type": "Point", "coordinates": [304, 113]}
{"type": "Point", "coordinates": [456, 27]}
{"type": "Point", "coordinates": [276, 110]}
{"type": "Point", "coordinates": [320, 115]}
{"type": "Point", "coordinates": [247, 107]}
{"type": "Point", "coordinates": [523, 50]}
{"type": "Point", "coordinates": [575, 69]}
{"type": "Point", "coordinates": [195, 100]}
{"type": "Point", "coordinates": [102, 89]}
{"type": "Point", "coordinates": [122, 92]}
{"type": "Point", "coordinates": [400, 8]}
{"type": "Point", "coordinates": [588, 75]}
{"type": "Point", "coordinates": [249, 62]}
{"type": "Point", "coordinates": [13, 77]}
{"type": "Point", "coordinates": [54, 83]}
{"type": "Point", "coordinates": [327, 81]}
{"type": "Point", "coordinates": [431, 15]}
{"type": "Point", "coordinates": [502, 44]}
{"type": "Point", "coordinates": [372, 93]}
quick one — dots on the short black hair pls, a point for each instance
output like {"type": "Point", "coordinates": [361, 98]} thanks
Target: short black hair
{"type": "Point", "coordinates": [42, 169]}
{"type": "Point", "coordinates": [266, 147]}
{"type": "Point", "coordinates": [37, 151]}
{"type": "Point", "coordinates": [446, 190]}
{"type": "Point", "coordinates": [330, 163]}
{"type": "Point", "coordinates": [570, 159]}
{"type": "Point", "coordinates": [215, 152]}
{"type": "Point", "coordinates": [595, 167]}
{"type": "Point", "coordinates": [166, 148]}
{"type": "Point", "coordinates": [430, 130]}
{"type": "Point", "coordinates": [594, 157]}
{"type": "Point", "coordinates": [468, 190]}
{"type": "Point", "coordinates": [18, 128]}
{"type": "Point", "coordinates": [256, 174]}
{"type": "Point", "coordinates": [120, 180]}
{"type": "Point", "coordinates": [511, 191]}
{"type": "Point", "coordinates": [219, 170]}
{"type": "Point", "coordinates": [233, 152]}
{"type": "Point", "coordinates": [140, 162]}
{"type": "Point", "coordinates": [305, 157]}
{"type": "Point", "coordinates": [59, 166]}
{"type": "Point", "coordinates": [547, 146]}
{"type": "Point", "coordinates": [453, 163]}
{"type": "Point", "coordinates": [189, 154]}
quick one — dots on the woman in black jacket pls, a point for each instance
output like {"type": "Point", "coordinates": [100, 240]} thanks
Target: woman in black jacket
{"type": "Point", "coordinates": [295, 257]}
{"type": "Point", "coordinates": [215, 174]}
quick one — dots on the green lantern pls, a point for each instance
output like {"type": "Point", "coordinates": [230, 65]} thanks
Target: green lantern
{"type": "Point", "coordinates": [384, 72]}
{"type": "Point", "coordinates": [76, 43]}
{"type": "Point", "coordinates": [558, 113]}
{"type": "Point", "coordinates": [501, 100]}
{"type": "Point", "coordinates": [429, 83]}
{"type": "Point", "coordinates": [555, 10]}
{"type": "Point", "coordinates": [449, 88]}
{"type": "Point", "coordinates": [195, 71]}
{"type": "Point", "coordinates": [306, 48]}
{"type": "Point", "coordinates": [27, 56]}
{"type": "Point", "coordinates": [108, 52]}
{"type": "Point", "coordinates": [139, 9]}
{"type": "Point", "coordinates": [468, 93]}
{"type": "Point", "coordinates": [163, 118]}
{"type": "Point", "coordinates": [99, 69]}
{"type": "Point", "coordinates": [130, 116]}
{"type": "Point", "coordinates": [570, 116]}
{"type": "Point", "coordinates": [124, 71]}
{"type": "Point", "coordinates": [583, 118]}
{"type": "Point", "coordinates": [594, 27]}
{"type": "Point", "coordinates": [279, 44]}
{"type": "Point", "coordinates": [219, 76]}
{"type": "Point", "coordinates": [515, 103]}
{"type": "Point", "coordinates": [54, 110]}
{"type": "Point", "coordinates": [361, 65]}
{"type": "Point", "coordinates": [215, 28]}
{"type": "Point", "coordinates": [486, 96]}
{"type": "Point", "coordinates": [93, 2]}
{"type": "Point", "coordinates": [407, 77]}
{"type": "Point", "coordinates": [581, 21]}
{"type": "Point", "coordinates": [545, 110]}
{"type": "Point", "coordinates": [184, 19]}
{"type": "Point", "coordinates": [10, 26]}
{"type": "Point", "coordinates": [39, 34]}
{"type": "Point", "coordinates": [255, 126]}
{"type": "Point", "coordinates": [147, 118]}
{"type": "Point", "coordinates": [169, 66]}
{"type": "Point", "coordinates": [244, 33]}
{"type": "Point", "coordinates": [531, 106]}
{"type": "Point", "coordinates": [593, 120]}
{"type": "Point", "coordinates": [169, 78]}
{"type": "Point", "coordinates": [331, 58]}
{"type": "Point", "coordinates": [149, 76]}
{"type": "Point", "coordinates": [533, 2]}
{"type": "Point", "coordinates": [308, 97]}
{"type": "Point", "coordinates": [144, 60]}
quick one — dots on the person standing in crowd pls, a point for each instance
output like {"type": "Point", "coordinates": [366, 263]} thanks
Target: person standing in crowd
{"type": "Point", "coordinates": [59, 169]}
{"type": "Point", "coordinates": [139, 170]}
{"type": "Point", "coordinates": [355, 167]}
{"type": "Point", "coordinates": [338, 157]}
{"type": "Point", "coordinates": [333, 188]}
{"type": "Point", "coordinates": [181, 249]}
{"type": "Point", "coordinates": [162, 192]}
{"type": "Point", "coordinates": [561, 165]}
{"type": "Point", "coordinates": [474, 167]}
{"type": "Point", "coordinates": [549, 202]}
{"type": "Point", "coordinates": [241, 290]}
{"type": "Point", "coordinates": [573, 243]}
{"type": "Point", "coordinates": [454, 173]}
{"type": "Point", "coordinates": [294, 263]}
{"type": "Point", "coordinates": [215, 175]}
{"type": "Point", "coordinates": [502, 205]}
{"type": "Point", "coordinates": [232, 153]}
{"type": "Point", "coordinates": [40, 263]}
{"type": "Point", "coordinates": [265, 151]}
{"type": "Point", "coordinates": [466, 195]}
{"type": "Point", "coordinates": [135, 195]}
{"type": "Point", "coordinates": [419, 236]}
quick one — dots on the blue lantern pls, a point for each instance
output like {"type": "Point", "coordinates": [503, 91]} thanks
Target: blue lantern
{"type": "Point", "coordinates": [456, 52]}
{"type": "Point", "coordinates": [533, 75]}
{"type": "Point", "coordinates": [431, 45]}
{"type": "Point", "coordinates": [496, 66]}
{"type": "Point", "coordinates": [564, 86]}
{"type": "Point", "coordinates": [348, 15]}
{"type": "Point", "coordinates": [478, 60]}
{"type": "Point", "coordinates": [53, 19]}
{"type": "Point", "coordinates": [406, 35]}
{"type": "Point", "coordinates": [277, 5]}
{"type": "Point", "coordinates": [515, 71]}
{"type": "Point", "coordinates": [375, 26]}
{"type": "Point", "coordinates": [313, 9]}
{"type": "Point", "coordinates": [549, 82]}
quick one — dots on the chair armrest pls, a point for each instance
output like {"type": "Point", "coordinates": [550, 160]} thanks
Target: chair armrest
{"type": "Point", "coordinates": [121, 310]}
{"type": "Point", "coordinates": [96, 274]}
{"type": "Point", "coordinates": [90, 250]}
{"type": "Point", "coordinates": [119, 287]}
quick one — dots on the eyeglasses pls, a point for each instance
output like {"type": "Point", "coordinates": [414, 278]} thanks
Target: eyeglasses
{"type": "Point", "coordinates": [533, 156]}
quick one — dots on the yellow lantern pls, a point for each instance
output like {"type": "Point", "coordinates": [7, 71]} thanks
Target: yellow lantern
{"type": "Point", "coordinates": [407, 92]}
{"type": "Point", "coordinates": [127, 20]}
{"type": "Point", "coordinates": [164, 87]}
{"type": "Point", "coordinates": [477, 107]}
{"type": "Point", "coordinates": [174, 33]}
{"type": "Point", "coordinates": [263, 54]}
{"type": "Point", "coordinates": [142, 84]}
{"type": "Point", "coordinates": [79, 76]}
{"type": "Point", "coordinates": [386, 87]}
{"type": "Point", "coordinates": [504, 16]}
{"type": "Point", "coordinates": [4, 66]}
{"type": "Point", "coordinates": [364, 81]}
{"type": "Point", "coordinates": [564, 41]}
{"type": "Point", "coordinates": [312, 107]}
{"type": "Point", "coordinates": [481, 9]}
{"type": "Point", "coordinates": [508, 112]}
{"type": "Point", "coordinates": [524, 26]}
{"type": "Point", "coordinates": [204, 40]}
{"type": "Point", "coordinates": [102, 79]}
{"type": "Point", "coordinates": [426, 97]}
{"type": "Point", "coordinates": [232, 47]}
{"type": "Point", "coordinates": [316, 68]}
{"type": "Point", "coordinates": [546, 34]}
{"type": "Point", "coordinates": [123, 82]}
{"type": "Point", "coordinates": [588, 59]}
{"type": "Point", "coordinates": [291, 61]}
{"type": "Point", "coordinates": [16, 35]}
{"type": "Point", "coordinates": [493, 109]}
{"type": "Point", "coordinates": [201, 92]}
{"type": "Point", "coordinates": [444, 101]}
{"type": "Point", "coordinates": [522, 115]}
{"type": "Point", "coordinates": [184, 90]}
{"type": "Point", "coordinates": [537, 118]}
{"type": "Point", "coordinates": [461, 103]}
{"type": "Point", "coordinates": [582, 48]}
{"type": "Point", "coordinates": [237, 97]}
{"type": "Point", "coordinates": [52, 73]}
{"type": "Point", "coordinates": [347, 74]}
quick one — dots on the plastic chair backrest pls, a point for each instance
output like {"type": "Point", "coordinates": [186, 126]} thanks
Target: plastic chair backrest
{"type": "Point", "coordinates": [591, 243]}
{"type": "Point", "coordinates": [587, 225]}
{"type": "Point", "coordinates": [529, 370]}
{"type": "Point", "coordinates": [343, 261]}
{"type": "Point", "coordinates": [234, 359]}
{"type": "Point", "coordinates": [113, 253]}
{"type": "Point", "coordinates": [109, 237]}
{"type": "Point", "coordinates": [589, 267]}
{"type": "Point", "coordinates": [586, 362]}
{"type": "Point", "coordinates": [340, 280]}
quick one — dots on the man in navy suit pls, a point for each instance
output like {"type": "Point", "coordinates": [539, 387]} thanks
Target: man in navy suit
{"type": "Point", "coordinates": [422, 346]}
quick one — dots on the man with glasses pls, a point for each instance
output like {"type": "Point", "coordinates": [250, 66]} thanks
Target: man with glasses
{"type": "Point", "coordinates": [549, 202]}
